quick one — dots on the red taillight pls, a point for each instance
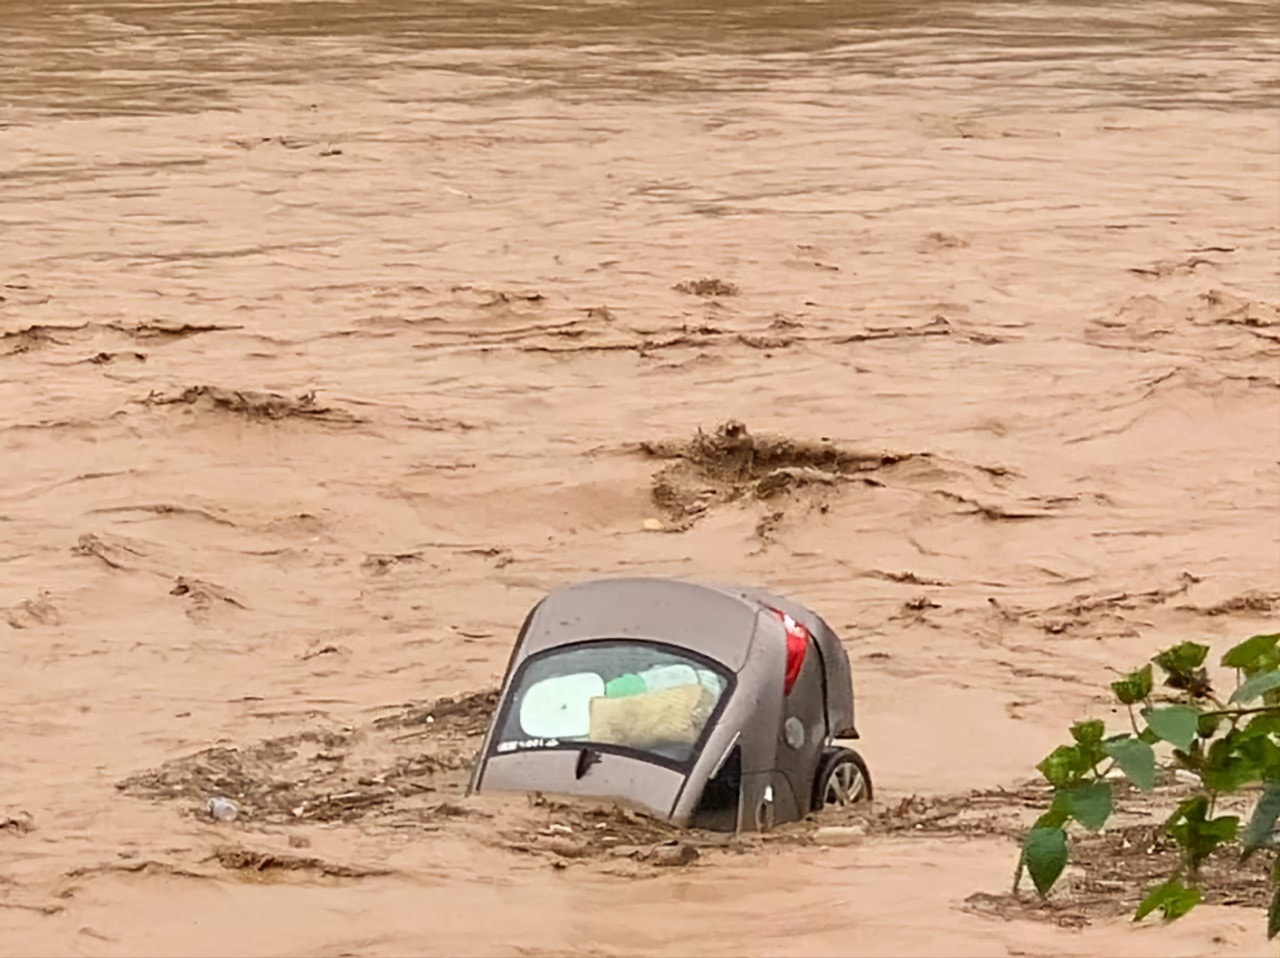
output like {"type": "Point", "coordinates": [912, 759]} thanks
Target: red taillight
{"type": "Point", "coordinates": [797, 646]}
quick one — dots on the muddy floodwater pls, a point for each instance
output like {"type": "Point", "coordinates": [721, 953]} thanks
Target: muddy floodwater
{"type": "Point", "coordinates": [332, 334]}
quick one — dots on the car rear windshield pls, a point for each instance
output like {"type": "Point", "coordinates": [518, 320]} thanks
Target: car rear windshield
{"type": "Point", "coordinates": [628, 695]}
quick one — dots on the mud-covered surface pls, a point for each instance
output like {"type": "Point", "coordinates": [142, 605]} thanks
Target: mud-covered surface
{"type": "Point", "coordinates": [407, 769]}
{"type": "Point", "coordinates": [408, 765]}
{"type": "Point", "coordinates": [333, 335]}
{"type": "Point", "coordinates": [426, 753]}
{"type": "Point", "coordinates": [1110, 871]}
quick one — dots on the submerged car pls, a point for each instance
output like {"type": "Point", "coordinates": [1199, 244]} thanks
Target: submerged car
{"type": "Point", "coordinates": [711, 706]}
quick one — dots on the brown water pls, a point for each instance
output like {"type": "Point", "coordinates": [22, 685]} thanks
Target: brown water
{"type": "Point", "coordinates": [1039, 242]}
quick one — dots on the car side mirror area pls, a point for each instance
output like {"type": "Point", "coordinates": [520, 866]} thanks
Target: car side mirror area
{"type": "Point", "coordinates": [718, 808]}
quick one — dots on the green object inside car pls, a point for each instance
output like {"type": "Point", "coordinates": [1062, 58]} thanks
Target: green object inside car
{"type": "Point", "coordinates": [624, 685]}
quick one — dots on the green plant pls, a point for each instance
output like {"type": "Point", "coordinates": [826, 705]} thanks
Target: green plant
{"type": "Point", "coordinates": [1227, 746]}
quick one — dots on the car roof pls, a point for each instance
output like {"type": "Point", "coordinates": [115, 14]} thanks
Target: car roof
{"type": "Point", "coordinates": [710, 620]}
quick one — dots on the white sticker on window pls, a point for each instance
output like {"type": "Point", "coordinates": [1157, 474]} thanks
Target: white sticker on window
{"type": "Point", "coordinates": [560, 707]}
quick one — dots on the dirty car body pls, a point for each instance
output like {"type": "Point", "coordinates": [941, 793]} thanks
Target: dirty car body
{"type": "Point", "coordinates": [711, 706]}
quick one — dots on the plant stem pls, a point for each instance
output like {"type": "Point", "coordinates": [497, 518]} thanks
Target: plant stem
{"type": "Point", "coordinates": [1256, 710]}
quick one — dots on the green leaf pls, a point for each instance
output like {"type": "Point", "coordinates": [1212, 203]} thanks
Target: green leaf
{"type": "Point", "coordinates": [1208, 725]}
{"type": "Point", "coordinates": [1254, 688]}
{"type": "Point", "coordinates": [1178, 906]}
{"type": "Point", "coordinates": [1263, 820]}
{"type": "Point", "coordinates": [1242, 756]}
{"type": "Point", "coordinates": [1176, 724]}
{"type": "Point", "coordinates": [1198, 835]}
{"type": "Point", "coordinates": [1045, 852]}
{"type": "Point", "coordinates": [1088, 736]}
{"type": "Point", "coordinates": [1136, 759]}
{"type": "Point", "coordinates": [1196, 807]}
{"type": "Point", "coordinates": [1273, 915]}
{"type": "Point", "coordinates": [1090, 805]}
{"type": "Point", "coordinates": [1089, 733]}
{"type": "Point", "coordinates": [1173, 898]}
{"type": "Point", "coordinates": [1222, 830]}
{"type": "Point", "coordinates": [1261, 742]}
{"type": "Point", "coordinates": [1183, 665]}
{"type": "Point", "coordinates": [1053, 818]}
{"type": "Point", "coordinates": [1058, 814]}
{"type": "Point", "coordinates": [1064, 765]}
{"type": "Point", "coordinates": [1133, 687]}
{"type": "Point", "coordinates": [1233, 762]}
{"type": "Point", "coordinates": [1264, 724]}
{"type": "Point", "coordinates": [1249, 653]}
{"type": "Point", "coordinates": [1183, 658]}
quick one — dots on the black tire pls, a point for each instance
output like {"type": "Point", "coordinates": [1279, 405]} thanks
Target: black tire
{"type": "Point", "coordinates": [842, 779]}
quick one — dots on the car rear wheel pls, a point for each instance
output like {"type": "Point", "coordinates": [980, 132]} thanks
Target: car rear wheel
{"type": "Point", "coordinates": [842, 779]}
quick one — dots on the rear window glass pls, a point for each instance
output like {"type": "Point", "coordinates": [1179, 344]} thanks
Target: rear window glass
{"type": "Point", "coordinates": [632, 695]}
